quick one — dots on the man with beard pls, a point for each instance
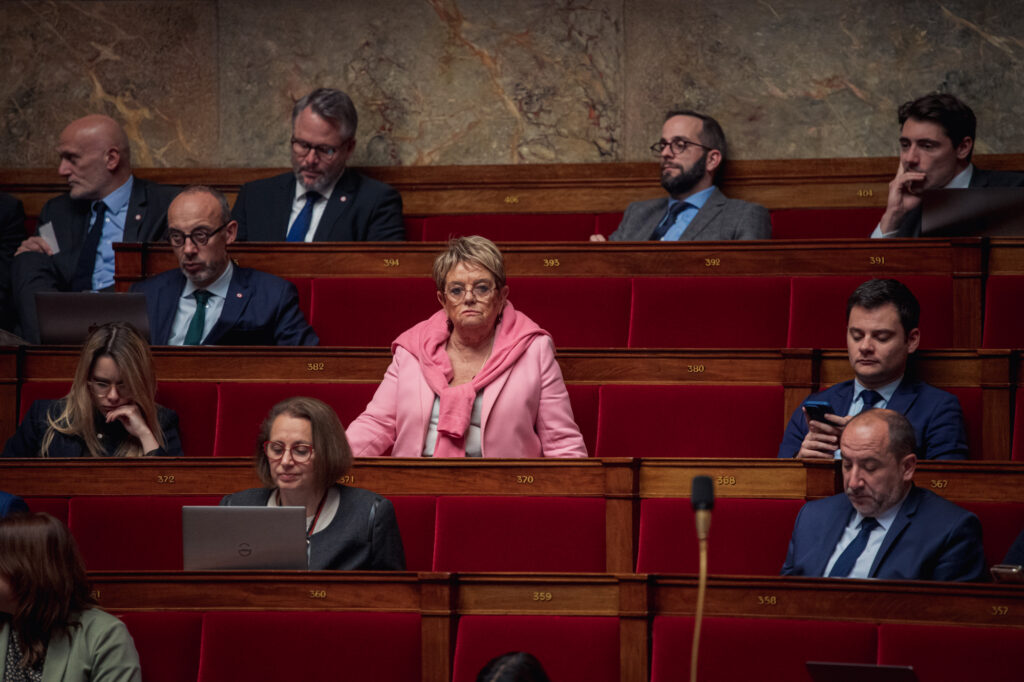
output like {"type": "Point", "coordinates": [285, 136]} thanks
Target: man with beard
{"type": "Point", "coordinates": [320, 200]}
{"type": "Point", "coordinates": [692, 151]}
{"type": "Point", "coordinates": [209, 300]}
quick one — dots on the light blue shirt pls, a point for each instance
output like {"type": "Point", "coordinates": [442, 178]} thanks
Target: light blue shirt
{"type": "Point", "coordinates": [961, 181]}
{"type": "Point", "coordinates": [113, 231]}
{"type": "Point", "coordinates": [187, 306]}
{"type": "Point", "coordinates": [857, 404]}
{"type": "Point", "coordinates": [693, 204]}
{"type": "Point", "coordinates": [863, 565]}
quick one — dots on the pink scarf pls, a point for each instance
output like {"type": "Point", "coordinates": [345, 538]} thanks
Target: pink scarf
{"type": "Point", "coordinates": [427, 340]}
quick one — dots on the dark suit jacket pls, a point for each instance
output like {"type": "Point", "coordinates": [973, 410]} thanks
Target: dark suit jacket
{"type": "Point", "coordinates": [260, 310]}
{"type": "Point", "coordinates": [12, 233]}
{"type": "Point", "coordinates": [720, 218]}
{"type": "Point", "coordinates": [10, 504]}
{"type": "Point", "coordinates": [146, 221]}
{"type": "Point", "coordinates": [359, 210]}
{"type": "Point", "coordinates": [935, 415]}
{"type": "Point", "coordinates": [930, 539]}
{"type": "Point", "coordinates": [910, 224]}
{"type": "Point", "coordinates": [362, 536]}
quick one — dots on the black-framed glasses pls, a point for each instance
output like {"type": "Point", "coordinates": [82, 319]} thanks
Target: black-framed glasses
{"type": "Point", "coordinates": [301, 147]}
{"type": "Point", "coordinates": [199, 236]}
{"type": "Point", "coordinates": [275, 450]}
{"type": "Point", "coordinates": [101, 388]}
{"type": "Point", "coordinates": [678, 145]}
{"type": "Point", "coordinates": [481, 291]}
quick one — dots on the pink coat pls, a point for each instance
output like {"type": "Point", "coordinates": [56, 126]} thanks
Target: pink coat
{"type": "Point", "coordinates": [526, 411]}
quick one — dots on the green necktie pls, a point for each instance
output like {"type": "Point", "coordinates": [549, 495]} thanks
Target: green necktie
{"type": "Point", "coordinates": [195, 328]}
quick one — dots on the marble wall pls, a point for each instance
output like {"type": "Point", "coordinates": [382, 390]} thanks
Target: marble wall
{"type": "Point", "coordinates": [436, 82]}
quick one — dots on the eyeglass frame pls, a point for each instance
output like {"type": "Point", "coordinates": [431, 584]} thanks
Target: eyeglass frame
{"type": "Point", "coordinates": [491, 288]}
{"type": "Point", "coordinates": [202, 241]}
{"type": "Point", "coordinates": [323, 151]}
{"type": "Point", "coordinates": [122, 389]}
{"type": "Point", "coordinates": [288, 450]}
{"type": "Point", "coordinates": [659, 146]}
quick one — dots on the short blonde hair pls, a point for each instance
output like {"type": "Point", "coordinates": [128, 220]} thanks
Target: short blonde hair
{"type": "Point", "coordinates": [476, 250]}
{"type": "Point", "coordinates": [332, 456]}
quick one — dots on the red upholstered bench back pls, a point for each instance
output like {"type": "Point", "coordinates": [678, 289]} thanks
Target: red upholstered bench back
{"type": "Point", "coordinates": [167, 642]}
{"type": "Point", "coordinates": [1004, 323]}
{"type": "Point", "coordinates": [304, 285]}
{"type": "Point", "coordinates": [570, 648]}
{"type": "Point", "coordinates": [131, 533]}
{"type": "Point", "coordinates": [585, 401]}
{"type": "Point", "coordinates": [56, 507]}
{"type": "Point", "coordinates": [590, 312]}
{"type": "Point", "coordinates": [709, 312]}
{"type": "Point", "coordinates": [311, 645]}
{"type": "Point", "coordinates": [511, 227]}
{"type": "Point", "coordinates": [940, 652]}
{"type": "Point", "coordinates": [747, 537]}
{"type": "Point", "coordinates": [1001, 522]}
{"type": "Point", "coordinates": [368, 311]}
{"type": "Point", "coordinates": [825, 223]}
{"type": "Point", "coordinates": [766, 650]}
{"type": "Point", "coordinates": [606, 223]}
{"type": "Point", "coordinates": [1018, 427]}
{"type": "Point", "coordinates": [32, 391]}
{"type": "Point", "coordinates": [689, 421]}
{"type": "Point", "coordinates": [417, 516]}
{"type": "Point", "coordinates": [973, 408]}
{"type": "Point", "coordinates": [520, 534]}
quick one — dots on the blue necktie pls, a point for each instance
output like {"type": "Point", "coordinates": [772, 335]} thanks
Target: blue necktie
{"type": "Point", "coordinates": [194, 335]}
{"type": "Point", "coordinates": [869, 398]}
{"type": "Point", "coordinates": [300, 227]}
{"type": "Point", "coordinates": [844, 564]}
{"type": "Point", "coordinates": [668, 221]}
{"type": "Point", "coordinates": [82, 280]}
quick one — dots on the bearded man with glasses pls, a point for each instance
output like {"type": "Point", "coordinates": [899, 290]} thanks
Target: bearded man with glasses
{"type": "Point", "coordinates": [210, 301]}
{"type": "Point", "coordinates": [320, 200]}
{"type": "Point", "coordinates": [692, 152]}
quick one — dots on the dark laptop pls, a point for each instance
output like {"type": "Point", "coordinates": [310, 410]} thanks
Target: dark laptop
{"type": "Point", "coordinates": [973, 212]}
{"type": "Point", "coordinates": [68, 317]}
{"type": "Point", "coordinates": [859, 672]}
{"type": "Point", "coordinates": [235, 538]}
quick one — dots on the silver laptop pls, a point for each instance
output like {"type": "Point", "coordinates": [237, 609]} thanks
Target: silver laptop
{"type": "Point", "coordinates": [234, 538]}
{"type": "Point", "coordinates": [68, 317]}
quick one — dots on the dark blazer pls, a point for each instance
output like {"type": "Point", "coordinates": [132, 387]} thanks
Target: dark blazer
{"type": "Point", "coordinates": [12, 233]}
{"type": "Point", "coordinates": [260, 310]}
{"type": "Point", "coordinates": [1015, 555]}
{"type": "Point", "coordinates": [930, 539]}
{"type": "Point", "coordinates": [910, 224]}
{"type": "Point", "coordinates": [359, 210]}
{"type": "Point", "coordinates": [935, 415]}
{"type": "Point", "coordinates": [145, 221]}
{"type": "Point", "coordinates": [11, 504]}
{"type": "Point", "coordinates": [720, 218]}
{"type": "Point", "coordinates": [28, 439]}
{"type": "Point", "coordinates": [363, 536]}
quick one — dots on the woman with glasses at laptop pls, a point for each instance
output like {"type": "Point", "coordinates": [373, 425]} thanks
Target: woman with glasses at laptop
{"type": "Point", "coordinates": [476, 379]}
{"type": "Point", "coordinates": [110, 410]}
{"type": "Point", "coordinates": [49, 628]}
{"type": "Point", "coordinates": [302, 452]}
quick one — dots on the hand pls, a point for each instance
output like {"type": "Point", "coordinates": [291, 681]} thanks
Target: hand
{"type": "Point", "coordinates": [130, 416]}
{"type": "Point", "coordinates": [822, 438]}
{"type": "Point", "coordinates": [904, 195]}
{"type": "Point", "coordinates": [35, 243]}
{"type": "Point", "coordinates": [598, 238]}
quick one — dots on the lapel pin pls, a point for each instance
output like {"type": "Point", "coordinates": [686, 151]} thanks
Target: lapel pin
{"type": "Point", "coordinates": [238, 295]}
{"type": "Point", "coordinates": [138, 216]}
{"type": "Point", "coordinates": [342, 199]}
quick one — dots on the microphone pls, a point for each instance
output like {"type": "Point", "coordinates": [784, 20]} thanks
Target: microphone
{"type": "Point", "coordinates": [702, 499]}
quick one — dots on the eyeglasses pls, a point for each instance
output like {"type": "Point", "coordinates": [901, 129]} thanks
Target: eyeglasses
{"type": "Point", "coordinates": [678, 145]}
{"type": "Point", "coordinates": [101, 388]}
{"type": "Point", "coordinates": [276, 450]}
{"type": "Point", "coordinates": [481, 291]}
{"type": "Point", "coordinates": [301, 148]}
{"type": "Point", "coordinates": [199, 236]}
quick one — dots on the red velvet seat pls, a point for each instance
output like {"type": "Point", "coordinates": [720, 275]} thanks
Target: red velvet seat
{"type": "Point", "coordinates": [747, 537]}
{"type": "Point", "coordinates": [414, 229]}
{"type": "Point", "coordinates": [417, 517]}
{"type": "Point", "coordinates": [131, 532]}
{"type": "Point", "coordinates": [1001, 522]}
{"type": "Point", "coordinates": [520, 534]}
{"type": "Point", "coordinates": [167, 642]}
{"type": "Point", "coordinates": [56, 507]}
{"type": "Point", "coordinates": [767, 650]}
{"type": "Point", "coordinates": [1004, 324]}
{"type": "Point", "coordinates": [709, 312]}
{"type": "Point", "coordinates": [606, 223]}
{"type": "Point", "coordinates": [585, 402]}
{"type": "Point", "coordinates": [590, 312]}
{"type": "Point", "coordinates": [689, 421]}
{"type": "Point", "coordinates": [825, 223]}
{"type": "Point", "coordinates": [241, 408]}
{"type": "Point", "coordinates": [817, 313]}
{"type": "Point", "coordinates": [367, 311]}
{"type": "Point", "coordinates": [304, 285]}
{"type": "Point", "coordinates": [1017, 453]}
{"type": "Point", "coordinates": [511, 227]}
{"type": "Point", "coordinates": [571, 648]}
{"type": "Point", "coordinates": [32, 391]}
{"type": "Point", "coordinates": [310, 645]}
{"type": "Point", "coordinates": [973, 408]}
{"type": "Point", "coordinates": [953, 653]}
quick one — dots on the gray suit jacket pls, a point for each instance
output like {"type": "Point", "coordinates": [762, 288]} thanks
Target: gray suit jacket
{"type": "Point", "coordinates": [719, 219]}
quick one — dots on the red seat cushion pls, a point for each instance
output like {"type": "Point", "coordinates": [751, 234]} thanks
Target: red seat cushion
{"type": "Point", "coordinates": [511, 227]}
{"type": "Point", "coordinates": [131, 532]}
{"type": "Point", "coordinates": [709, 312]}
{"type": "Point", "coordinates": [689, 421]}
{"type": "Point", "coordinates": [767, 650]}
{"type": "Point", "coordinates": [817, 312]}
{"type": "Point", "coordinates": [311, 645]}
{"type": "Point", "coordinates": [747, 537]}
{"type": "Point", "coordinates": [953, 653]}
{"type": "Point", "coordinates": [196, 405]}
{"type": "Point", "coordinates": [570, 648]}
{"type": "Point", "coordinates": [417, 516]}
{"type": "Point", "coordinates": [585, 401]}
{"type": "Point", "coordinates": [366, 311]}
{"type": "Point", "coordinates": [1004, 324]}
{"type": "Point", "coordinates": [825, 223]}
{"type": "Point", "coordinates": [588, 312]}
{"type": "Point", "coordinates": [1001, 522]}
{"type": "Point", "coordinates": [167, 642]}
{"type": "Point", "coordinates": [243, 407]}
{"type": "Point", "coordinates": [520, 534]}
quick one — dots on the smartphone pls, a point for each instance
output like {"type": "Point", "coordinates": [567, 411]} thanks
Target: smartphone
{"type": "Point", "coordinates": [817, 409]}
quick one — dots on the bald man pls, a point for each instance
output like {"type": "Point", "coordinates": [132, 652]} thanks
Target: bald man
{"type": "Point", "coordinates": [104, 204]}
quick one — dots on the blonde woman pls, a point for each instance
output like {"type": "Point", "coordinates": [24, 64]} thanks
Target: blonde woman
{"type": "Point", "coordinates": [110, 410]}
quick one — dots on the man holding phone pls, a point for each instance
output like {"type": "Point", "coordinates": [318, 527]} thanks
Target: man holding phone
{"type": "Point", "coordinates": [882, 318]}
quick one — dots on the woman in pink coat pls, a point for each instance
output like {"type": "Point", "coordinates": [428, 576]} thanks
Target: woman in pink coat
{"type": "Point", "coordinates": [476, 379]}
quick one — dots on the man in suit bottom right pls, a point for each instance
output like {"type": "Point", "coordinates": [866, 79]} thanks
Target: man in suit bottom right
{"type": "Point", "coordinates": [883, 526]}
